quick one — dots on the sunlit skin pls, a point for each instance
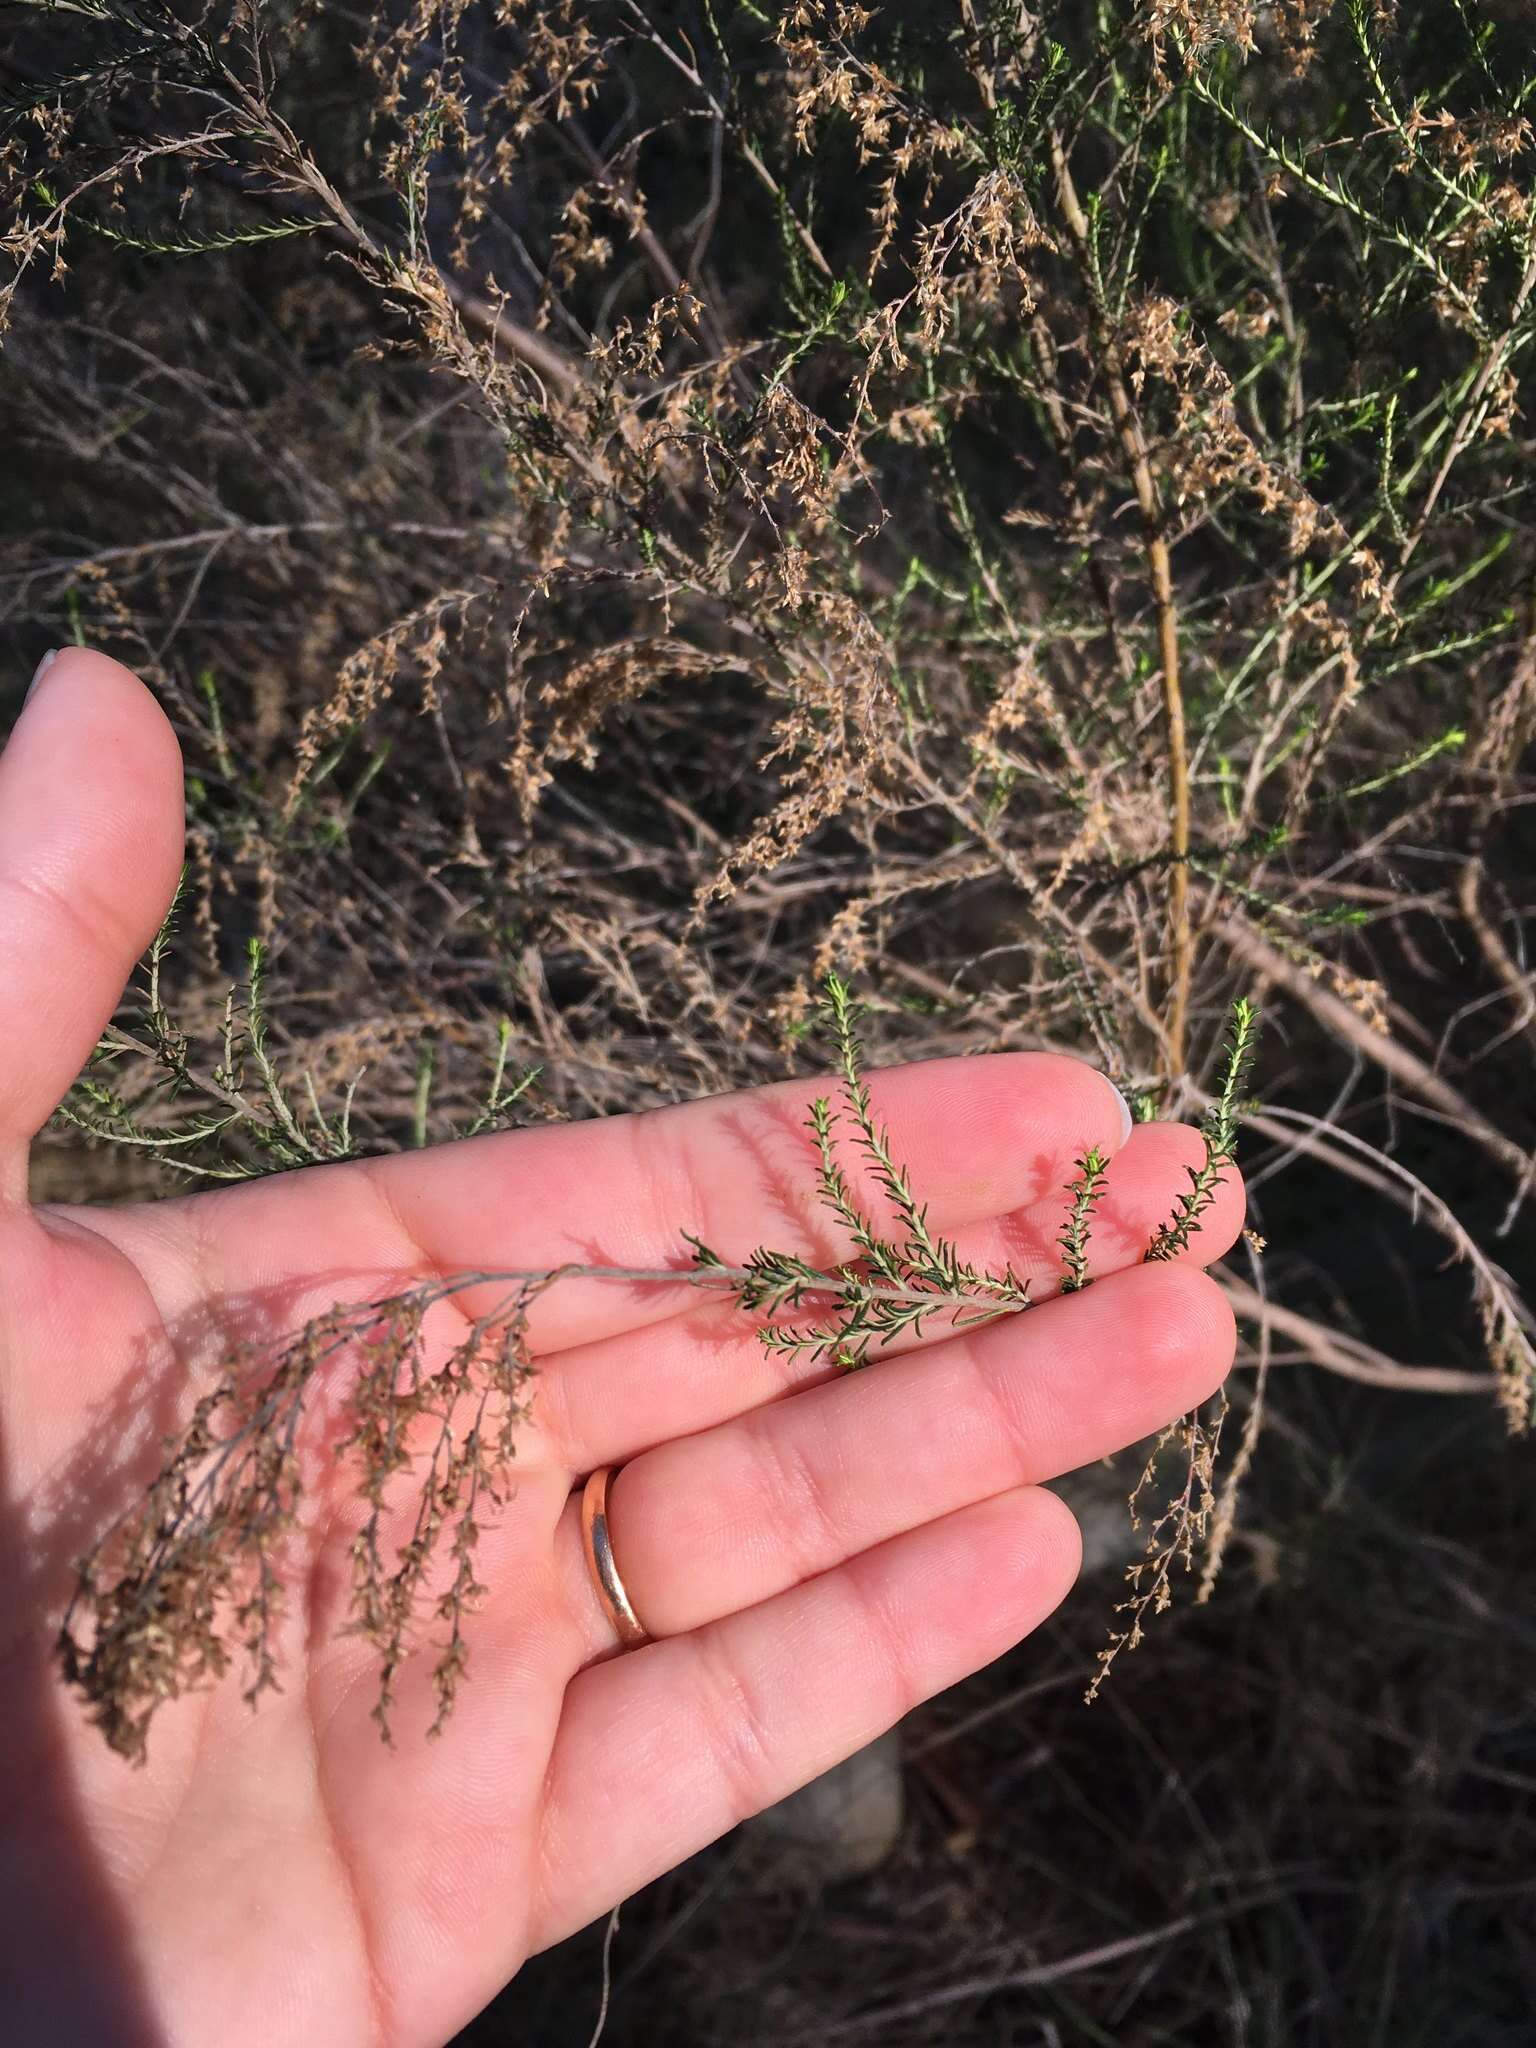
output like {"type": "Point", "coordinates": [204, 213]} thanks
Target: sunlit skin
{"type": "Point", "coordinates": [815, 1554]}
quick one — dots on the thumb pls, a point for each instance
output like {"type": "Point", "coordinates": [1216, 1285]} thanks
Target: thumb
{"type": "Point", "coordinates": [90, 850]}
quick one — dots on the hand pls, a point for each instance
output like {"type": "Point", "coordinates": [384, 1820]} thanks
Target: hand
{"type": "Point", "coordinates": [811, 1567]}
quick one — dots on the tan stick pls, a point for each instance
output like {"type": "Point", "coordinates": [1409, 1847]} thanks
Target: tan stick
{"type": "Point", "coordinates": [1337, 1352]}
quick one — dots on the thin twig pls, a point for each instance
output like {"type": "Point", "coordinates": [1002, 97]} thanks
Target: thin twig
{"type": "Point", "coordinates": [1389, 1053]}
{"type": "Point", "coordinates": [1337, 1352]}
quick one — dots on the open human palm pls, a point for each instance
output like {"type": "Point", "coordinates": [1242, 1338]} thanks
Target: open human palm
{"type": "Point", "coordinates": [812, 1552]}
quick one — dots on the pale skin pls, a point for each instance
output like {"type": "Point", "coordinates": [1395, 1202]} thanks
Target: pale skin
{"type": "Point", "coordinates": [814, 1554]}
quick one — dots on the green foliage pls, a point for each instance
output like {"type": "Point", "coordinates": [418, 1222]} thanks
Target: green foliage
{"type": "Point", "coordinates": [895, 1284]}
{"type": "Point", "coordinates": [1087, 1191]}
{"type": "Point", "coordinates": [149, 242]}
{"type": "Point", "coordinates": [255, 1118]}
{"type": "Point", "coordinates": [1218, 1128]}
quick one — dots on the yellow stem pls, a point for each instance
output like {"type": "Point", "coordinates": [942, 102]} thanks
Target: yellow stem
{"type": "Point", "coordinates": [1160, 574]}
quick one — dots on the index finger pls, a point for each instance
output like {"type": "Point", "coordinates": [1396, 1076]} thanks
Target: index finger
{"type": "Point", "coordinates": [979, 1136]}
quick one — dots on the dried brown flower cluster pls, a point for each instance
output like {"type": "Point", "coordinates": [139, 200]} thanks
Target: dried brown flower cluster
{"type": "Point", "coordinates": [193, 1576]}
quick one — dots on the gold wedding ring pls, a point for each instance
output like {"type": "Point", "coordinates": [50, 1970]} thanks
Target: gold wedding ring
{"type": "Point", "coordinates": [604, 1573]}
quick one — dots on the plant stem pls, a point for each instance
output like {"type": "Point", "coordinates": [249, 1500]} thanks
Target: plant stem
{"type": "Point", "coordinates": [1160, 574]}
{"type": "Point", "coordinates": [844, 1286]}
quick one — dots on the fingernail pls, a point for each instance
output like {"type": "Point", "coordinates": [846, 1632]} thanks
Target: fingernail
{"type": "Point", "coordinates": [1127, 1121]}
{"type": "Point", "coordinates": [39, 672]}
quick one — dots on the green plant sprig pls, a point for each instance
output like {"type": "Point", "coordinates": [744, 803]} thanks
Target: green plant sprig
{"type": "Point", "coordinates": [896, 1284]}
{"type": "Point", "coordinates": [1219, 1128]}
{"type": "Point", "coordinates": [1087, 1191]}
